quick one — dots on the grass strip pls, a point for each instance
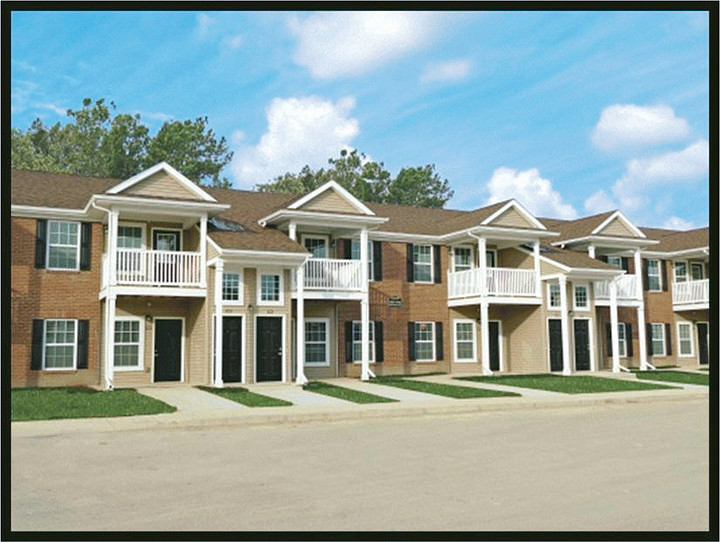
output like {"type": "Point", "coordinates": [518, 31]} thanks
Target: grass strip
{"type": "Point", "coordinates": [680, 377]}
{"type": "Point", "coordinates": [245, 397]}
{"type": "Point", "coordinates": [446, 390]}
{"type": "Point", "coordinates": [81, 402]}
{"type": "Point", "coordinates": [704, 368]}
{"type": "Point", "coordinates": [567, 384]}
{"type": "Point", "coordinates": [346, 394]}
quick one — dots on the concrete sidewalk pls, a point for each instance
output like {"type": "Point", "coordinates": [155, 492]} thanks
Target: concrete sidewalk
{"type": "Point", "coordinates": [296, 395]}
{"type": "Point", "coordinates": [399, 394]}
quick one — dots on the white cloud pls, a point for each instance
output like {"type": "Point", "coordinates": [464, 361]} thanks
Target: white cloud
{"type": "Point", "coordinates": [452, 70]}
{"type": "Point", "coordinates": [301, 131]}
{"type": "Point", "coordinates": [25, 66]}
{"type": "Point", "coordinates": [621, 126]}
{"type": "Point", "coordinates": [204, 22]}
{"type": "Point", "coordinates": [599, 202]}
{"type": "Point", "coordinates": [163, 117]}
{"type": "Point", "coordinates": [233, 42]}
{"type": "Point", "coordinates": [531, 190]}
{"type": "Point", "coordinates": [677, 223]}
{"type": "Point", "coordinates": [62, 111]}
{"type": "Point", "coordinates": [342, 44]}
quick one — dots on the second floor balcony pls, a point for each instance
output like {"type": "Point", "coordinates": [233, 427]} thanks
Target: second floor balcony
{"type": "Point", "coordinates": [499, 282]}
{"type": "Point", "coordinates": [333, 277]}
{"type": "Point", "coordinates": [691, 294]}
{"type": "Point", "coordinates": [136, 267]}
{"type": "Point", "coordinates": [627, 290]}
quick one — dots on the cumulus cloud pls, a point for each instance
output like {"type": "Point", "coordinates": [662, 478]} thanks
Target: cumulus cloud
{"type": "Point", "coordinates": [677, 223]}
{"type": "Point", "coordinates": [61, 111]}
{"type": "Point", "coordinates": [300, 131]}
{"type": "Point", "coordinates": [350, 43]}
{"type": "Point", "coordinates": [233, 42]}
{"type": "Point", "coordinates": [531, 190]}
{"type": "Point", "coordinates": [203, 24]}
{"type": "Point", "coordinates": [627, 125]}
{"type": "Point", "coordinates": [599, 202]}
{"type": "Point", "coordinates": [452, 70]}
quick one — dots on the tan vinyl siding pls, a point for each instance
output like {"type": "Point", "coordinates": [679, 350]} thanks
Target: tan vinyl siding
{"type": "Point", "coordinates": [524, 343]}
{"type": "Point", "coordinates": [512, 218]}
{"type": "Point", "coordinates": [617, 227]}
{"type": "Point", "coordinates": [515, 259]}
{"type": "Point", "coordinates": [161, 185]}
{"type": "Point", "coordinates": [329, 201]}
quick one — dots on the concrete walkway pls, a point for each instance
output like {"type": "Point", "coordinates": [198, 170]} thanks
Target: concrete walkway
{"type": "Point", "coordinates": [391, 392]}
{"type": "Point", "coordinates": [190, 400]}
{"type": "Point", "coordinates": [296, 395]}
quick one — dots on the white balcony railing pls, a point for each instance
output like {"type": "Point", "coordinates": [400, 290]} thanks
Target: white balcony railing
{"type": "Point", "coordinates": [692, 291]}
{"type": "Point", "coordinates": [331, 274]}
{"type": "Point", "coordinates": [626, 288]}
{"type": "Point", "coordinates": [500, 281]}
{"type": "Point", "coordinates": [155, 268]}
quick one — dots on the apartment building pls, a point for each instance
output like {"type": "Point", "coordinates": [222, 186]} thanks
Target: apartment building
{"type": "Point", "coordinates": [154, 279]}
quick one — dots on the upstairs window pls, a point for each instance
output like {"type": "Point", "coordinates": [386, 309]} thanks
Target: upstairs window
{"type": "Point", "coordinates": [615, 261]}
{"type": "Point", "coordinates": [63, 244]}
{"type": "Point", "coordinates": [355, 254]}
{"type": "Point", "coordinates": [653, 275]}
{"type": "Point", "coordinates": [462, 258]}
{"type": "Point", "coordinates": [696, 271]}
{"type": "Point", "coordinates": [130, 237]}
{"type": "Point", "coordinates": [680, 271]}
{"type": "Point", "coordinates": [422, 263]}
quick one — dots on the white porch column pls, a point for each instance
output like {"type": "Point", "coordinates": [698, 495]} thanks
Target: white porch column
{"type": "Point", "coordinates": [614, 327]}
{"type": "Point", "coordinates": [300, 377]}
{"type": "Point", "coordinates": [591, 251]}
{"type": "Point", "coordinates": [565, 326]}
{"type": "Point", "coordinates": [292, 231]}
{"type": "Point", "coordinates": [110, 338]}
{"type": "Point", "coordinates": [482, 265]}
{"type": "Point", "coordinates": [365, 305]}
{"type": "Point", "coordinates": [112, 246]}
{"type": "Point", "coordinates": [203, 250]}
{"type": "Point", "coordinates": [217, 378]}
{"type": "Point", "coordinates": [642, 339]}
{"type": "Point", "coordinates": [536, 258]}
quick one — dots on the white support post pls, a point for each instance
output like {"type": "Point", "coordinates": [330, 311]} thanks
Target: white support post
{"type": "Point", "coordinates": [642, 344]}
{"type": "Point", "coordinates": [203, 250]}
{"type": "Point", "coordinates": [614, 327]}
{"type": "Point", "coordinates": [292, 231]}
{"type": "Point", "coordinates": [365, 306]}
{"type": "Point", "coordinates": [591, 251]}
{"type": "Point", "coordinates": [217, 377]}
{"type": "Point", "coordinates": [482, 264]}
{"type": "Point", "coordinates": [109, 338]}
{"type": "Point", "coordinates": [112, 246]}
{"type": "Point", "coordinates": [565, 326]}
{"type": "Point", "coordinates": [536, 258]}
{"type": "Point", "coordinates": [300, 377]}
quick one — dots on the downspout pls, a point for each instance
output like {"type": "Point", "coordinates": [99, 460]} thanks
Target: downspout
{"type": "Point", "coordinates": [109, 384]}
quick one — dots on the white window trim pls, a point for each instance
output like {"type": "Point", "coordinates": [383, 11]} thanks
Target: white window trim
{"type": "Point", "coordinates": [622, 340]}
{"type": "Point", "coordinates": [371, 260]}
{"type": "Point", "coordinates": [325, 238]}
{"type": "Point", "coordinates": [371, 347]}
{"type": "Point", "coordinates": [659, 275]}
{"type": "Point", "coordinates": [241, 287]}
{"type": "Point", "coordinates": [77, 247]}
{"type": "Point", "coordinates": [141, 345]}
{"type": "Point", "coordinates": [432, 265]}
{"type": "Point", "coordinates": [702, 270]}
{"type": "Point", "coordinates": [142, 226]}
{"type": "Point", "coordinates": [152, 236]}
{"type": "Point", "coordinates": [45, 345]}
{"type": "Point", "coordinates": [457, 358]}
{"type": "Point", "coordinates": [472, 257]}
{"type": "Point", "coordinates": [550, 306]}
{"type": "Point", "coordinates": [587, 297]}
{"type": "Point", "coordinates": [662, 329]}
{"type": "Point", "coordinates": [691, 339]}
{"type": "Point", "coordinates": [281, 301]}
{"type": "Point", "coordinates": [433, 341]}
{"type": "Point", "coordinates": [619, 261]}
{"type": "Point", "coordinates": [326, 321]}
{"type": "Point", "coordinates": [687, 270]}
{"type": "Point", "coordinates": [494, 252]}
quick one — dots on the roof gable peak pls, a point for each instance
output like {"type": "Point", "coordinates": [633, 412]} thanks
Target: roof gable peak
{"type": "Point", "coordinates": [184, 183]}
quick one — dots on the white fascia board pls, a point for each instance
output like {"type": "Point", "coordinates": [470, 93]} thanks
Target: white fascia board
{"type": "Point", "coordinates": [314, 218]}
{"type": "Point", "coordinates": [162, 166]}
{"type": "Point", "coordinates": [619, 215]}
{"type": "Point", "coordinates": [214, 244]}
{"type": "Point", "coordinates": [497, 232]}
{"type": "Point", "coordinates": [404, 237]}
{"type": "Point", "coordinates": [262, 257]}
{"type": "Point", "coordinates": [29, 211]}
{"type": "Point", "coordinates": [607, 242]}
{"type": "Point", "coordinates": [700, 251]}
{"type": "Point", "coordinates": [519, 208]}
{"type": "Point", "coordinates": [332, 185]}
{"type": "Point", "coordinates": [184, 208]}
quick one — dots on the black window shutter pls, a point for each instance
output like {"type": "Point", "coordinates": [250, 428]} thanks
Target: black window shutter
{"type": "Point", "coordinates": [348, 341]}
{"type": "Point", "coordinates": [439, 354]}
{"type": "Point", "coordinates": [411, 341]}
{"type": "Point", "coordinates": [437, 264]}
{"type": "Point", "coordinates": [625, 264]}
{"type": "Point", "coordinates": [347, 249]}
{"type": "Point", "coordinates": [663, 270]}
{"type": "Point", "coordinates": [85, 242]}
{"type": "Point", "coordinates": [82, 344]}
{"type": "Point", "coordinates": [645, 275]}
{"type": "Point", "coordinates": [38, 329]}
{"type": "Point", "coordinates": [628, 339]}
{"type": "Point", "coordinates": [668, 340]}
{"type": "Point", "coordinates": [648, 337]}
{"type": "Point", "coordinates": [40, 243]}
{"type": "Point", "coordinates": [410, 272]}
{"type": "Point", "coordinates": [608, 333]}
{"type": "Point", "coordinates": [377, 260]}
{"type": "Point", "coordinates": [379, 343]}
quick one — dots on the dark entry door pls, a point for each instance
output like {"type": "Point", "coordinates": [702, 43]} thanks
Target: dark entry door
{"type": "Point", "coordinates": [232, 349]}
{"type": "Point", "coordinates": [268, 338]}
{"type": "Point", "coordinates": [555, 332]}
{"type": "Point", "coordinates": [702, 333]}
{"type": "Point", "coordinates": [582, 345]}
{"type": "Point", "coordinates": [168, 350]}
{"type": "Point", "coordinates": [494, 328]}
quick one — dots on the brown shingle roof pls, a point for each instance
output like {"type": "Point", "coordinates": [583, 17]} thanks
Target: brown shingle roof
{"type": "Point", "coordinates": [573, 229]}
{"type": "Point", "coordinates": [572, 258]}
{"type": "Point", "coordinates": [41, 189]}
{"type": "Point", "coordinates": [673, 241]}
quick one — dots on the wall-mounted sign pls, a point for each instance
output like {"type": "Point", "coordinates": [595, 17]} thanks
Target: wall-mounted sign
{"type": "Point", "coordinates": [394, 301]}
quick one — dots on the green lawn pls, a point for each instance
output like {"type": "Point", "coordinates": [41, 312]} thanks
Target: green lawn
{"type": "Point", "coordinates": [675, 376]}
{"type": "Point", "coordinates": [245, 397]}
{"type": "Point", "coordinates": [446, 390]}
{"type": "Point", "coordinates": [345, 393]}
{"type": "Point", "coordinates": [566, 384]}
{"type": "Point", "coordinates": [80, 402]}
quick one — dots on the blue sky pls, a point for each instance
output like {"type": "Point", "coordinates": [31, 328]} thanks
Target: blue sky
{"type": "Point", "coordinates": [572, 113]}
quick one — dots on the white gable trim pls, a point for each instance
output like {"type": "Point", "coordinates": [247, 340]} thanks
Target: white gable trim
{"type": "Point", "coordinates": [520, 209]}
{"type": "Point", "coordinates": [332, 185]}
{"type": "Point", "coordinates": [162, 166]}
{"type": "Point", "coordinates": [620, 216]}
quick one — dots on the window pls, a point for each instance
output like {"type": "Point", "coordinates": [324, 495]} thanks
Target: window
{"type": "Point", "coordinates": [63, 245]}
{"type": "Point", "coordinates": [422, 263]}
{"type": "Point", "coordinates": [622, 341]}
{"type": "Point", "coordinates": [232, 288]}
{"type": "Point", "coordinates": [424, 341]}
{"type": "Point", "coordinates": [615, 261]}
{"type": "Point", "coordinates": [465, 341]}
{"type": "Point", "coordinates": [685, 339]}
{"type": "Point", "coordinates": [355, 255]}
{"type": "Point", "coordinates": [130, 237]}
{"type": "Point", "coordinates": [317, 345]}
{"type": "Point", "coordinates": [491, 258]}
{"type": "Point", "coordinates": [680, 271]}
{"type": "Point", "coordinates": [653, 274]}
{"type": "Point", "coordinates": [462, 260]}
{"type": "Point", "coordinates": [270, 289]}
{"type": "Point", "coordinates": [696, 271]}
{"type": "Point", "coordinates": [581, 297]}
{"type": "Point", "coordinates": [128, 349]}
{"type": "Point", "coordinates": [657, 339]}
{"type": "Point", "coordinates": [554, 295]}
{"type": "Point", "coordinates": [357, 341]}
{"type": "Point", "coordinates": [317, 246]}
{"type": "Point", "coordinates": [60, 344]}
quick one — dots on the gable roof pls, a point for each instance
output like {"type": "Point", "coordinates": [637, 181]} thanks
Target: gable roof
{"type": "Point", "coordinates": [184, 183]}
{"type": "Point", "coordinates": [676, 241]}
{"type": "Point", "coordinates": [335, 187]}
